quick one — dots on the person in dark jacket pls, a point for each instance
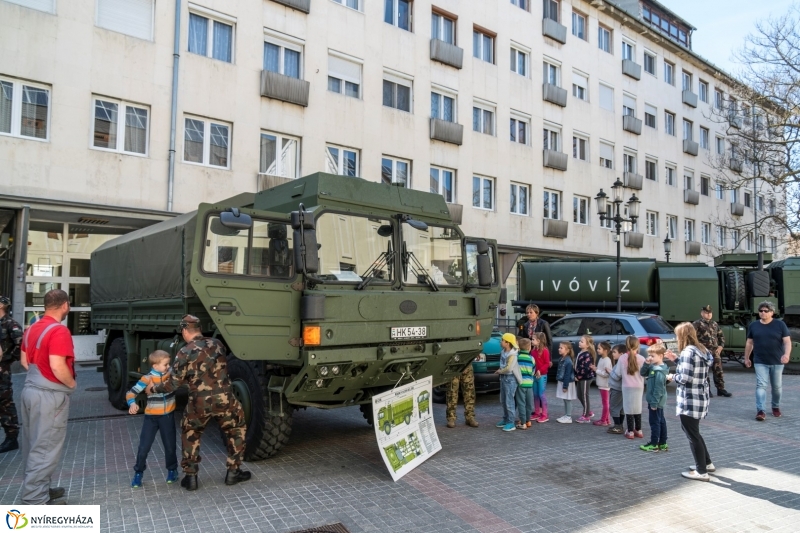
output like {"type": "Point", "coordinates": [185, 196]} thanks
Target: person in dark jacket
{"type": "Point", "coordinates": [533, 325]}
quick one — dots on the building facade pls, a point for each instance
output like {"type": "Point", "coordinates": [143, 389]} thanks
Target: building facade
{"type": "Point", "coordinates": [441, 95]}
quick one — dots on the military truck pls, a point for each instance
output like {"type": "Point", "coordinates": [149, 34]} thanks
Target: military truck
{"type": "Point", "coordinates": [326, 290]}
{"type": "Point", "coordinates": [733, 287]}
{"type": "Point", "coordinates": [394, 414]}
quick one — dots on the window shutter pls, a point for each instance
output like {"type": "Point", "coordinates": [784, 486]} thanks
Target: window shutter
{"type": "Point", "coordinates": [606, 151]}
{"type": "Point", "coordinates": [40, 5]}
{"type": "Point", "coordinates": [579, 80]}
{"type": "Point", "coordinates": [606, 97]}
{"type": "Point", "coordinates": [131, 17]}
{"type": "Point", "coordinates": [344, 70]}
{"type": "Point", "coordinates": [627, 101]}
{"type": "Point", "coordinates": [650, 110]}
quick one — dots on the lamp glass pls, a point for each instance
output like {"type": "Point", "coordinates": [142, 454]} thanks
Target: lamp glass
{"type": "Point", "coordinates": [633, 207]}
{"type": "Point", "coordinates": [617, 190]}
{"type": "Point", "coordinates": [667, 245]}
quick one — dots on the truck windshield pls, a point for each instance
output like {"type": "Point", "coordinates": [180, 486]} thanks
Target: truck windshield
{"type": "Point", "coordinates": [263, 250]}
{"type": "Point", "coordinates": [437, 250]}
{"type": "Point", "coordinates": [350, 246]}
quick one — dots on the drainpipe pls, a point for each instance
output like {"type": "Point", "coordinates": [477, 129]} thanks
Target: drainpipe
{"type": "Point", "coordinates": [176, 57]}
{"type": "Point", "coordinates": [18, 298]}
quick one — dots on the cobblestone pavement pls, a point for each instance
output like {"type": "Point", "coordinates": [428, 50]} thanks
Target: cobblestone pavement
{"type": "Point", "coordinates": [553, 477]}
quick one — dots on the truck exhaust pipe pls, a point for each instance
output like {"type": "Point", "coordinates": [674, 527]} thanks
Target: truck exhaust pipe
{"type": "Point", "coordinates": [760, 260]}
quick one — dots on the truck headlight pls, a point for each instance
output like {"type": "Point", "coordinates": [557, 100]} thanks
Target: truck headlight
{"type": "Point", "coordinates": [323, 371]}
{"type": "Point", "coordinates": [335, 370]}
{"type": "Point", "coordinates": [320, 383]}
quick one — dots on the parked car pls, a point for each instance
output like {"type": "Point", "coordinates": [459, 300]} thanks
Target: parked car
{"type": "Point", "coordinates": [612, 328]}
{"type": "Point", "coordinates": [483, 367]}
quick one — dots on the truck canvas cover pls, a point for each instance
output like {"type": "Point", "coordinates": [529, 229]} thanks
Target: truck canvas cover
{"type": "Point", "coordinates": [127, 269]}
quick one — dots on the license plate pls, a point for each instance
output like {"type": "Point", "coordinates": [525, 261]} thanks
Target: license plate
{"type": "Point", "coordinates": [415, 332]}
{"type": "Point", "coordinates": [672, 346]}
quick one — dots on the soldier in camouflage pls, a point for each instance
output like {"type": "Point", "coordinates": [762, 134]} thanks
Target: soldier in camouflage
{"type": "Point", "coordinates": [466, 380]}
{"type": "Point", "coordinates": [710, 335]}
{"type": "Point", "coordinates": [10, 340]}
{"type": "Point", "coordinates": [201, 365]}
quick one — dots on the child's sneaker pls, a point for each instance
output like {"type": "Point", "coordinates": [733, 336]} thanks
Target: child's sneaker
{"type": "Point", "coordinates": [521, 426]}
{"type": "Point", "coordinates": [500, 424]}
{"type": "Point", "coordinates": [509, 427]}
{"type": "Point", "coordinates": [629, 435]}
{"type": "Point", "coordinates": [601, 423]}
{"type": "Point", "coordinates": [591, 415]}
{"type": "Point", "coordinates": [528, 423]}
{"type": "Point", "coordinates": [638, 434]}
{"type": "Point", "coordinates": [663, 447]}
{"type": "Point", "coordinates": [172, 476]}
{"type": "Point", "coordinates": [137, 480]}
{"type": "Point", "coordinates": [535, 416]}
{"type": "Point", "coordinates": [565, 420]}
{"type": "Point", "coordinates": [583, 420]}
{"type": "Point", "coordinates": [649, 447]}
{"type": "Point", "coordinates": [543, 419]}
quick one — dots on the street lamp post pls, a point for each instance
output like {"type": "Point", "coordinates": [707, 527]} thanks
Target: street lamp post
{"type": "Point", "coordinates": [612, 211]}
{"type": "Point", "coordinates": [667, 247]}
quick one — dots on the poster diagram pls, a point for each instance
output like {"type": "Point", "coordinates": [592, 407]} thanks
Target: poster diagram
{"type": "Point", "coordinates": [404, 426]}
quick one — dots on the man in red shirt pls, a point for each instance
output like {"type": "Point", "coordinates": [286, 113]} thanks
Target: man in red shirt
{"type": "Point", "coordinates": [49, 356]}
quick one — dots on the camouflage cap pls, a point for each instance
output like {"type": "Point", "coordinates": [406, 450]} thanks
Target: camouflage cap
{"type": "Point", "coordinates": [190, 321]}
{"type": "Point", "coordinates": [707, 309]}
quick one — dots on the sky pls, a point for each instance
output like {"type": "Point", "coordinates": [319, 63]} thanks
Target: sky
{"type": "Point", "coordinates": [722, 25]}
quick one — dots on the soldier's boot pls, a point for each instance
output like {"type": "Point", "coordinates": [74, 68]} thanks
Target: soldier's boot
{"type": "Point", "coordinates": [723, 392]}
{"type": "Point", "coordinates": [235, 476]}
{"type": "Point", "coordinates": [9, 444]}
{"type": "Point", "coordinates": [451, 422]}
{"type": "Point", "coordinates": [189, 482]}
{"type": "Point", "coordinates": [471, 422]}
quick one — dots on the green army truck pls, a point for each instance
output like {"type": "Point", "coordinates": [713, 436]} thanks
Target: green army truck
{"type": "Point", "coordinates": [326, 290]}
{"type": "Point", "coordinates": [733, 287]}
{"type": "Point", "coordinates": [395, 413]}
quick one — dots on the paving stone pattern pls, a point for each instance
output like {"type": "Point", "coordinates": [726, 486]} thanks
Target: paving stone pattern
{"type": "Point", "coordinates": [552, 477]}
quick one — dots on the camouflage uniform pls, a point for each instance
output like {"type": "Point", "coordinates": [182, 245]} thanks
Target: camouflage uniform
{"type": "Point", "coordinates": [467, 382]}
{"type": "Point", "coordinates": [201, 365]}
{"type": "Point", "coordinates": [710, 335]}
{"type": "Point", "coordinates": [10, 340]}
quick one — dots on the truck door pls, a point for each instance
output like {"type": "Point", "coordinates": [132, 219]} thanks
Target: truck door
{"type": "Point", "coordinates": [244, 278]}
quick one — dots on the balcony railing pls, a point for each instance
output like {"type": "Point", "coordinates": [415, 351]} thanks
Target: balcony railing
{"type": "Point", "coordinates": [692, 248]}
{"type": "Point", "coordinates": [689, 98]}
{"type": "Point", "coordinates": [691, 197]}
{"type": "Point", "coordinates": [447, 53]}
{"type": "Point", "coordinates": [690, 147]}
{"type": "Point", "coordinates": [554, 94]}
{"type": "Point", "coordinates": [555, 228]}
{"type": "Point", "coordinates": [632, 180]}
{"type": "Point", "coordinates": [632, 124]}
{"type": "Point", "coordinates": [284, 88]}
{"type": "Point", "coordinates": [737, 209]}
{"type": "Point", "coordinates": [632, 69]}
{"type": "Point", "coordinates": [556, 160]}
{"type": "Point", "coordinates": [300, 5]}
{"type": "Point", "coordinates": [456, 212]}
{"type": "Point", "coordinates": [446, 131]}
{"type": "Point", "coordinates": [554, 30]}
{"type": "Point", "coordinates": [268, 181]}
{"type": "Point", "coordinates": [634, 239]}
{"type": "Point", "coordinates": [735, 164]}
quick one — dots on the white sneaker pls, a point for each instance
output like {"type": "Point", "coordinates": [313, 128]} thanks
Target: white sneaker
{"type": "Point", "coordinates": [709, 468]}
{"type": "Point", "coordinates": [693, 474]}
{"type": "Point", "coordinates": [565, 420]}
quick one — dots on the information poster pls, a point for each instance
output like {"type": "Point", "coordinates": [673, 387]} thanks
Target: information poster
{"type": "Point", "coordinates": [404, 426]}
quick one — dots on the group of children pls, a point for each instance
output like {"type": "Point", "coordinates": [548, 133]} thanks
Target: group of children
{"type": "Point", "coordinates": [620, 373]}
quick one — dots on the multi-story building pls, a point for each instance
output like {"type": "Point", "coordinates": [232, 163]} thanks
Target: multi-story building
{"type": "Point", "coordinates": [112, 117]}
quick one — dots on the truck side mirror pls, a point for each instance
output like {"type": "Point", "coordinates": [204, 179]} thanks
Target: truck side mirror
{"type": "Point", "coordinates": [484, 270]}
{"type": "Point", "coordinates": [482, 247]}
{"type": "Point", "coordinates": [234, 219]}
{"type": "Point", "coordinates": [306, 260]}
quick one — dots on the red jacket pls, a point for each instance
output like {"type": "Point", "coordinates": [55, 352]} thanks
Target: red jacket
{"type": "Point", "coordinates": [542, 359]}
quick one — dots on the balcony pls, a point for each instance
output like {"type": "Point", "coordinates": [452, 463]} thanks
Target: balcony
{"type": "Point", "coordinates": [447, 53]}
{"type": "Point", "coordinates": [632, 180]}
{"type": "Point", "coordinates": [689, 98]}
{"type": "Point", "coordinates": [268, 181]}
{"type": "Point", "coordinates": [692, 248]}
{"type": "Point", "coordinates": [632, 124]}
{"type": "Point", "coordinates": [632, 69]}
{"type": "Point", "coordinates": [735, 164]}
{"type": "Point", "coordinates": [456, 212]}
{"type": "Point", "coordinates": [284, 88]}
{"type": "Point", "coordinates": [554, 94]}
{"type": "Point", "coordinates": [690, 147]}
{"type": "Point", "coordinates": [554, 30]}
{"type": "Point", "coordinates": [691, 197]}
{"type": "Point", "coordinates": [446, 131]}
{"type": "Point", "coordinates": [734, 121]}
{"type": "Point", "coordinates": [737, 209]}
{"type": "Point", "coordinates": [556, 160]}
{"type": "Point", "coordinates": [300, 5]}
{"type": "Point", "coordinates": [633, 239]}
{"type": "Point", "coordinates": [555, 228]}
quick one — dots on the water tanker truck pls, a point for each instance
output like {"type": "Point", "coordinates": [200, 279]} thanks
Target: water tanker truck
{"type": "Point", "coordinates": [733, 287]}
{"type": "Point", "coordinates": [326, 290]}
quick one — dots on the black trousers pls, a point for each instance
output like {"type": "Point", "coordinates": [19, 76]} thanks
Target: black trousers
{"type": "Point", "coordinates": [582, 387]}
{"type": "Point", "coordinates": [164, 424]}
{"type": "Point", "coordinates": [691, 427]}
{"type": "Point", "coordinates": [634, 422]}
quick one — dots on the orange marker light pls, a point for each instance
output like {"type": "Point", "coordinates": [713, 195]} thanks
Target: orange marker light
{"type": "Point", "coordinates": [312, 335]}
{"type": "Point", "coordinates": [477, 327]}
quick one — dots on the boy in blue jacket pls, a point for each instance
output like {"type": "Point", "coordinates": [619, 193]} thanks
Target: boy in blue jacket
{"type": "Point", "coordinates": [655, 372]}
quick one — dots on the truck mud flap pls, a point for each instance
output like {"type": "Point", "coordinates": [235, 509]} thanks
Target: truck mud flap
{"type": "Point", "coordinates": [277, 385]}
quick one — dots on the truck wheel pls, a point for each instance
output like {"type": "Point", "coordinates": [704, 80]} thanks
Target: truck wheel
{"type": "Point", "coordinates": [440, 394]}
{"type": "Point", "coordinates": [734, 289]}
{"type": "Point", "coordinates": [266, 433]}
{"type": "Point", "coordinates": [794, 334]}
{"type": "Point", "coordinates": [366, 412]}
{"type": "Point", "coordinates": [116, 374]}
{"type": "Point", "coordinates": [387, 428]}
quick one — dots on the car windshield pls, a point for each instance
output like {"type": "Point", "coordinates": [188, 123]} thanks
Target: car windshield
{"type": "Point", "coordinates": [655, 324]}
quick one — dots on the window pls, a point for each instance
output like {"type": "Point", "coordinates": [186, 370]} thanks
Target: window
{"type": "Point", "coordinates": [131, 18]}
{"type": "Point", "coordinates": [483, 46]}
{"type": "Point", "coordinates": [704, 138]}
{"type": "Point", "coordinates": [686, 81]}
{"type": "Point", "coordinates": [344, 76]}
{"type": "Point", "coordinates": [606, 155]}
{"type": "Point", "coordinates": [206, 142]}
{"type": "Point", "coordinates": [651, 222]}
{"type": "Point", "coordinates": [669, 123]}
{"type": "Point", "coordinates": [282, 57]}
{"type": "Point", "coordinates": [650, 116]}
{"type": "Point", "coordinates": [443, 107]}
{"type": "Point", "coordinates": [552, 10]}
{"type": "Point", "coordinates": [443, 28]}
{"type": "Point", "coordinates": [395, 170]}
{"type": "Point", "coordinates": [580, 85]}
{"type": "Point", "coordinates": [483, 119]}
{"type": "Point", "coordinates": [720, 192]}
{"type": "Point", "coordinates": [483, 193]}
{"type": "Point", "coordinates": [342, 161]}
{"type": "Point", "coordinates": [672, 227]}
{"type": "Point", "coordinates": [604, 39]}
{"type": "Point", "coordinates": [629, 163]}
{"type": "Point", "coordinates": [606, 97]}
{"type": "Point", "coordinates": [705, 233]}
{"type": "Point", "coordinates": [650, 169]}
{"type": "Point", "coordinates": [773, 245]}
{"type": "Point", "coordinates": [650, 63]}
{"type": "Point", "coordinates": [519, 62]}
{"type": "Point", "coordinates": [522, 4]}
{"type": "Point", "coordinates": [519, 199]}
{"type": "Point", "coordinates": [24, 109]}
{"type": "Point", "coordinates": [734, 196]}
{"type": "Point", "coordinates": [687, 130]}
{"type": "Point", "coordinates": [552, 205]}
{"type": "Point", "coordinates": [761, 246]}
{"type": "Point", "coordinates": [578, 25]}
{"type": "Point", "coordinates": [705, 183]}
{"type": "Point", "coordinates": [111, 133]}
{"type": "Point", "coordinates": [703, 90]}
{"type": "Point", "coordinates": [396, 92]}
{"type": "Point", "coordinates": [718, 99]}
{"type": "Point", "coordinates": [628, 106]}
{"type": "Point", "coordinates": [669, 73]}
{"type": "Point", "coordinates": [628, 51]}
{"type": "Point", "coordinates": [734, 238]}
{"type": "Point", "coordinates": [720, 142]}
{"type": "Point", "coordinates": [688, 181]}
{"type": "Point", "coordinates": [669, 176]}
{"type": "Point", "coordinates": [443, 182]}
{"type": "Point", "coordinates": [747, 199]}
{"type": "Point", "coordinates": [211, 36]}
{"type": "Point", "coordinates": [280, 155]}
{"type": "Point", "coordinates": [760, 203]}
{"type": "Point", "coordinates": [263, 250]}
{"type": "Point", "coordinates": [551, 74]}
{"type": "Point", "coordinates": [720, 236]}
{"type": "Point", "coordinates": [771, 206]}
{"type": "Point", "coordinates": [580, 210]}
{"type": "Point", "coordinates": [580, 148]}
{"type": "Point", "coordinates": [519, 130]}
{"type": "Point", "coordinates": [397, 13]}
{"type": "Point", "coordinates": [552, 138]}
{"type": "Point", "coordinates": [748, 242]}
{"type": "Point", "coordinates": [352, 4]}
{"type": "Point", "coordinates": [48, 6]}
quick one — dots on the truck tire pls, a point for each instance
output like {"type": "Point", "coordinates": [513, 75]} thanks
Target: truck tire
{"type": "Point", "coordinates": [794, 334]}
{"type": "Point", "coordinates": [439, 394]}
{"type": "Point", "coordinates": [366, 412]}
{"type": "Point", "coordinates": [407, 419]}
{"type": "Point", "coordinates": [734, 289]}
{"type": "Point", "coordinates": [387, 428]}
{"type": "Point", "coordinates": [266, 433]}
{"type": "Point", "coordinates": [115, 374]}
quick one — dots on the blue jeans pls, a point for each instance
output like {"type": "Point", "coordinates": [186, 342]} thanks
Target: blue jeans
{"type": "Point", "coordinates": [165, 424]}
{"type": "Point", "coordinates": [508, 389]}
{"type": "Point", "coordinates": [658, 426]}
{"type": "Point", "coordinates": [524, 399]}
{"type": "Point", "coordinates": [772, 374]}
